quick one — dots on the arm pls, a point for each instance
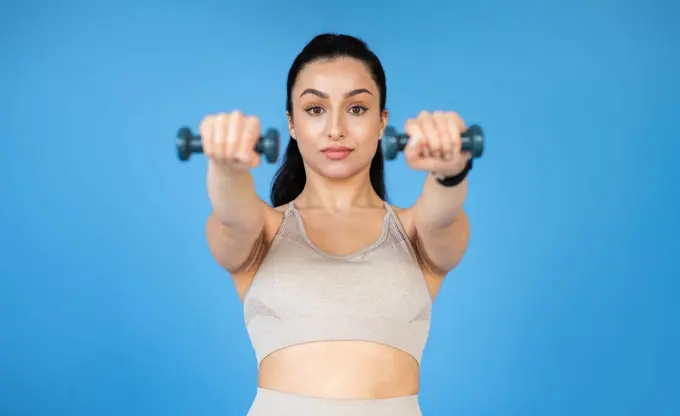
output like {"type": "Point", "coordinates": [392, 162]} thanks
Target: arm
{"type": "Point", "coordinates": [235, 228]}
{"type": "Point", "coordinates": [442, 226]}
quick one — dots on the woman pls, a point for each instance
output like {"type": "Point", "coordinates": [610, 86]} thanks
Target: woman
{"type": "Point", "coordinates": [337, 285]}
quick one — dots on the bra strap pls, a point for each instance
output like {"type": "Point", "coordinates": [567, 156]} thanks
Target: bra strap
{"type": "Point", "coordinates": [389, 209]}
{"type": "Point", "coordinates": [291, 207]}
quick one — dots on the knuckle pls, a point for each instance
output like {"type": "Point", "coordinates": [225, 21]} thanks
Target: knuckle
{"type": "Point", "coordinates": [411, 125]}
{"type": "Point", "coordinates": [451, 114]}
{"type": "Point", "coordinates": [220, 123]}
{"type": "Point", "coordinates": [458, 120]}
{"type": "Point", "coordinates": [207, 125]}
{"type": "Point", "coordinates": [237, 122]}
{"type": "Point", "coordinates": [252, 122]}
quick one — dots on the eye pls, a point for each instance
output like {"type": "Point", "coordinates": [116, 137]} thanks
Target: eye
{"type": "Point", "coordinates": [357, 110]}
{"type": "Point", "coordinates": [314, 110]}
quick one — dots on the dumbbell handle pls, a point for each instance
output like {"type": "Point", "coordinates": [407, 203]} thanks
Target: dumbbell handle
{"type": "Point", "coordinates": [189, 143]}
{"type": "Point", "coordinates": [472, 140]}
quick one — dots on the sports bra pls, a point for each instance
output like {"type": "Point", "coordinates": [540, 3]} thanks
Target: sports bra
{"type": "Point", "coordinates": [301, 294]}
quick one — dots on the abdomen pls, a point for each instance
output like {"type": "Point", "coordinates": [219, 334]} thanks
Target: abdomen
{"type": "Point", "coordinates": [341, 369]}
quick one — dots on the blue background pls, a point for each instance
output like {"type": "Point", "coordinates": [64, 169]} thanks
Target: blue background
{"type": "Point", "coordinates": [565, 304]}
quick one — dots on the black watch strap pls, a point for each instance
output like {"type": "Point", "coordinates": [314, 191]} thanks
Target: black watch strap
{"type": "Point", "coordinates": [451, 181]}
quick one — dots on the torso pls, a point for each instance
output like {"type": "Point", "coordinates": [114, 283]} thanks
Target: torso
{"type": "Point", "coordinates": [340, 369]}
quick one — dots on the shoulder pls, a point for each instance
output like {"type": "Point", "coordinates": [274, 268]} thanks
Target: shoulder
{"type": "Point", "coordinates": [281, 208]}
{"type": "Point", "coordinates": [405, 217]}
{"type": "Point", "coordinates": [432, 275]}
{"type": "Point", "coordinates": [273, 219]}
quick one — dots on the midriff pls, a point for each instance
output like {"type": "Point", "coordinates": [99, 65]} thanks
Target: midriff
{"type": "Point", "coordinates": [341, 370]}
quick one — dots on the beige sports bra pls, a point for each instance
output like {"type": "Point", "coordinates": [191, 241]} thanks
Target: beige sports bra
{"type": "Point", "coordinates": [301, 294]}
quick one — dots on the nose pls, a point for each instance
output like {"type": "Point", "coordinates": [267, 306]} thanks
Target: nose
{"type": "Point", "coordinates": [336, 129]}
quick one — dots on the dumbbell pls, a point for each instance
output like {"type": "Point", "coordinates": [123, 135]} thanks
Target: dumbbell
{"type": "Point", "coordinates": [188, 143]}
{"type": "Point", "coordinates": [394, 142]}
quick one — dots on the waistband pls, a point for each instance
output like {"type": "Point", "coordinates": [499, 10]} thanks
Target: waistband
{"type": "Point", "coordinates": [274, 403]}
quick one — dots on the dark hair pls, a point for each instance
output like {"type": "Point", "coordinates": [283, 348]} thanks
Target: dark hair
{"type": "Point", "coordinates": [290, 179]}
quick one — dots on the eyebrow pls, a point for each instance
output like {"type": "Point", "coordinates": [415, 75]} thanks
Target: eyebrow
{"type": "Point", "coordinates": [320, 94]}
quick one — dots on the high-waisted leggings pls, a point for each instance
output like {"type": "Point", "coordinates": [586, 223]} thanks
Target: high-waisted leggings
{"type": "Point", "coordinates": [275, 403]}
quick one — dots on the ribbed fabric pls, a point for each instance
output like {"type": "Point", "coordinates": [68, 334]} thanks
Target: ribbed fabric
{"type": "Point", "coordinates": [301, 294]}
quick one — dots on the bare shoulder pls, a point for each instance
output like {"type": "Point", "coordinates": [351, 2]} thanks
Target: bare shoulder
{"type": "Point", "coordinates": [273, 220]}
{"type": "Point", "coordinates": [433, 278]}
{"type": "Point", "coordinates": [243, 278]}
{"type": "Point", "coordinates": [405, 216]}
{"type": "Point", "coordinates": [273, 217]}
{"type": "Point", "coordinates": [281, 208]}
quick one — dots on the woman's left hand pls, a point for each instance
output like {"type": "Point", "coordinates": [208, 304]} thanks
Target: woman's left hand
{"type": "Point", "coordinates": [434, 143]}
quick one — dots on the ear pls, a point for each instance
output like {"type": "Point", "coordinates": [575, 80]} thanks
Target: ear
{"type": "Point", "coordinates": [383, 121]}
{"type": "Point", "coordinates": [291, 128]}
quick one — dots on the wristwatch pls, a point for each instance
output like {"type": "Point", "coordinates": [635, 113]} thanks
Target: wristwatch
{"type": "Point", "coordinates": [451, 181]}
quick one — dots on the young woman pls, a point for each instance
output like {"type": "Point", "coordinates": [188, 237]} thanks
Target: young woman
{"type": "Point", "coordinates": [337, 284]}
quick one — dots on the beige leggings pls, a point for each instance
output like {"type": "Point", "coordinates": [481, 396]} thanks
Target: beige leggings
{"type": "Point", "coordinates": [274, 403]}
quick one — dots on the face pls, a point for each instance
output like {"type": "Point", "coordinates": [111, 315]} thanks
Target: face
{"type": "Point", "coordinates": [336, 117]}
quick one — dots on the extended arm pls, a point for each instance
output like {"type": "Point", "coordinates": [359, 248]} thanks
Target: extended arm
{"type": "Point", "coordinates": [442, 226]}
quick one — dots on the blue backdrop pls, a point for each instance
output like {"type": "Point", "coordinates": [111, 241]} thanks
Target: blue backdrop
{"type": "Point", "coordinates": [565, 304]}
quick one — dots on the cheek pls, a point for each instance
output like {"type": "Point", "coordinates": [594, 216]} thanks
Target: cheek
{"type": "Point", "coordinates": [307, 133]}
{"type": "Point", "coordinates": [369, 149]}
{"type": "Point", "coordinates": [366, 127]}
{"type": "Point", "coordinates": [367, 134]}
{"type": "Point", "coordinates": [307, 150]}
{"type": "Point", "coordinates": [310, 127]}
{"type": "Point", "coordinates": [308, 145]}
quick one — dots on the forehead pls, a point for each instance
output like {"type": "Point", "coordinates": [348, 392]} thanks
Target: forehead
{"type": "Point", "coordinates": [335, 76]}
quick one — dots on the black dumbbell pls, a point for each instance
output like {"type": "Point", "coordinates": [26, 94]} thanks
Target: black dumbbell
{"type": "Point", "coordinates": [188, 143]}
{"type": "Point", "coordinates": [394, 142]}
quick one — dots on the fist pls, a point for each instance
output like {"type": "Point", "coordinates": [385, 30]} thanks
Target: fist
{"type": "Point", "coordinates": [434, 143]}
{"type": "Point", "coordinates": [229, 139]}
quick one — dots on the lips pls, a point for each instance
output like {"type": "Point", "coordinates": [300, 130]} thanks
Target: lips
{"type": "Point", "coordinates": [336, 152]}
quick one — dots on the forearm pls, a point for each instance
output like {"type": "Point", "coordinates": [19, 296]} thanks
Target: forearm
{"type": "Point", "coordinates": [441, 224]}
{"type": "Point", "coordinates": [234, 199]}
{"type": "Point", "coordinates": [439, 206]}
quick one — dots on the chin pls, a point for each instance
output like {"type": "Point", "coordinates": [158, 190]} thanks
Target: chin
{"type": "Point", "coordinates": [338, 171]}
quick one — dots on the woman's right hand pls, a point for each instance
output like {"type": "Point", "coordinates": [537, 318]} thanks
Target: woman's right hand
{"type": "Point", "coordinates": [229, 140]}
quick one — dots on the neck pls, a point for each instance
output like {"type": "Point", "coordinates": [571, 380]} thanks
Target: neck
{"type": "Point", "coordinates": [337, 195]}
